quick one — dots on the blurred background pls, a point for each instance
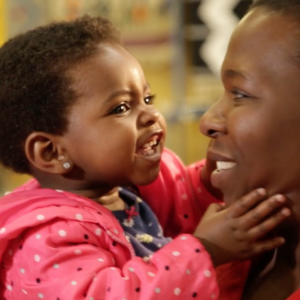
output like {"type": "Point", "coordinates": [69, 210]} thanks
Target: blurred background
{"type": "Point", "coordinates": [179, 43]}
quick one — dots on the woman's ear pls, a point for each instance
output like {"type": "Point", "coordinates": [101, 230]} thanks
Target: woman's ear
{"type": "Point", "coordinates": [45, 153]}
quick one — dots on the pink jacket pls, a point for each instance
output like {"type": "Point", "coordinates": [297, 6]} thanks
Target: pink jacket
{"type": "Point", "coordinates": [58, 245]}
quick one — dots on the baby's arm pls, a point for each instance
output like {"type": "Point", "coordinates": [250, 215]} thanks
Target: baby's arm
{"type": "Point", "coordinates": [67, 259]}
{"type": "Point", "coordinates": [237, 232]}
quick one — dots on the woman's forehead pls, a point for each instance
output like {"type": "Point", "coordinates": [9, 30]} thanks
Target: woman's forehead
{"type": "Point", "coordinates": [264, 39]}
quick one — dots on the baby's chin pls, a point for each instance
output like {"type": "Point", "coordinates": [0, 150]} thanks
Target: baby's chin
{"type": "Point", "coordinates": [145, 180]}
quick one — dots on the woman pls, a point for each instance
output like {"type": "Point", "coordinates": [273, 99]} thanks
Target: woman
{"type": "Point", "coordinates": [255, 129]}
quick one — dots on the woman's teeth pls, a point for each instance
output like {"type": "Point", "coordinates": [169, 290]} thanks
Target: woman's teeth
{"type": "Point", "coordinates": [223, 165]}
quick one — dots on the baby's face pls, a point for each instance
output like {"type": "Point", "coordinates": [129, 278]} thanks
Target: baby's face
{"type": "Point", "coordinates": [115, 134]}
{"type": "Point", "coordinates": [255, 126]}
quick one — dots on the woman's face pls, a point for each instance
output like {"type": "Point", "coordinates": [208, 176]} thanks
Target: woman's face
{"type": "Point", "coordinates": [255, 126]}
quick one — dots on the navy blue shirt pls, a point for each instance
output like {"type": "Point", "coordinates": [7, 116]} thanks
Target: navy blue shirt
{"type": "Point", "coordinates": [140, 225]}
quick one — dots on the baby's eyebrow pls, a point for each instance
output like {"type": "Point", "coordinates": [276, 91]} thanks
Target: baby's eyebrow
{"type": "Point", "coordinates": [116, 94]}
{"type": "Point", "coordinates": [123, 93]}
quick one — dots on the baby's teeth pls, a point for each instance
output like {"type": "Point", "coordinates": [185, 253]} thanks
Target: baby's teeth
{"type": "Point", "coordinates": [223, 165]}
{"type": "Point", "coordinates": [150, 144]}
{"type": "Point", "coordinates": [150, 152]}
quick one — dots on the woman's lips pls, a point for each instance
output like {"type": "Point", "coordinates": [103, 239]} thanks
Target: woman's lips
{"type": "Point", "coordinates": [223, 175]}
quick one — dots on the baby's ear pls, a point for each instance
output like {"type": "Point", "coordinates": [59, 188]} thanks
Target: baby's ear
{"type": "Point", "coordinates": [45, 153]}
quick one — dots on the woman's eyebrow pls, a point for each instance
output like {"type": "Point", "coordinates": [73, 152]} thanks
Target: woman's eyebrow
{"type": "Point", "coordinates": [230, 73]}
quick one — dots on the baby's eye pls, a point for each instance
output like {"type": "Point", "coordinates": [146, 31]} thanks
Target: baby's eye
{"type": "Point", "coordinates": [149, 99]}
{"type": "Point", "coordinates": [120, 109]}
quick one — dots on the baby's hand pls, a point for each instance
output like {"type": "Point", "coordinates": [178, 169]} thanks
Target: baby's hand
{"type": "Point", "coordinates": [236, 232]}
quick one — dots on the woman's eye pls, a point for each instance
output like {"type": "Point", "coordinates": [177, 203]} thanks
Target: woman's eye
{"type": "Point", "coordinates": [120, 109]}
{"type": "Point", "coordinates": [149, 99]}
{"type": "Point", "coordinates": [238, 95]}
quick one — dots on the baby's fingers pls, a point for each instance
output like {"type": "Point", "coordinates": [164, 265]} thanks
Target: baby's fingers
{"type": "Point", "coordinates": [241, 206]}
{"type": "Point", "coordinates": [267, 225]}
{"type": "Point", "coordinates": [266, 208]}
{"type": "Point", "coordinates": [265, 246]}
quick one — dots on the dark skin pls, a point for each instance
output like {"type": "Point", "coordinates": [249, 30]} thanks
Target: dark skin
{"type": "Point", "coordinates": [107, 145]}
{"type": "Point", "coordinates": [255, 127]}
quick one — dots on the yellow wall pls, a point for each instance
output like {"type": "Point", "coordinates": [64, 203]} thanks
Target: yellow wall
{"type": "Point", "coordinates": [3, 22]}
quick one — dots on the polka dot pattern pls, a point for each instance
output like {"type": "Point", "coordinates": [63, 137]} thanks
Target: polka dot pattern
{"type": "Point", "coordinates": [82, 242]}
{"type": "Point", "coordinates": [62, 233]}
{"type": "Point", "coordinates": [177, 291]}
{"type": "Point", "coordinates": [79, 217]}
{"type": "Point", "coordinates": [207, 273]}
{"type": "Point", "coordinates": [151, 274]}
{"type": "Point", "coordinates": [37, 258]}
{"type": "Point", "coordinates": [40, 217]}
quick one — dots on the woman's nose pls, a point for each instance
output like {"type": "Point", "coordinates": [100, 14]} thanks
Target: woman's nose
{"type": "Point", "coordinates": [213, 122]}
{"type": "Point", "coordinates": [149, 116]}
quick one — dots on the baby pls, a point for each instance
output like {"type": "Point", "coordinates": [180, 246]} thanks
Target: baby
{"type": "Point", "coordinates": [77, 113]}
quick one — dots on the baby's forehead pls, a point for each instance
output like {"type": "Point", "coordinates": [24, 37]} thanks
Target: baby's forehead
{"type": "Point", "coordinates": [109, 70]}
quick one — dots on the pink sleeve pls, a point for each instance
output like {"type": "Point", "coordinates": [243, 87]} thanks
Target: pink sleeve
{"type": "Point", "coordinates": [177, 196]}
{"type": "Point", "coordinates": [78, 260]}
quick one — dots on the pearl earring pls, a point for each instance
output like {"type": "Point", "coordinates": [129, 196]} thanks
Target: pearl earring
{"type": "Point", "coordinates": [66, 165]}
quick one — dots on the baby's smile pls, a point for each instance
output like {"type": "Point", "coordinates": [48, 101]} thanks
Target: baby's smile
{"type": "Point", "coordinates": [150, 146]}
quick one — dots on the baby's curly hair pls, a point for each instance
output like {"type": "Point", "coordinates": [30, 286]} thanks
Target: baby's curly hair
{"type": "Point", "coordinates": [35, 91]}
